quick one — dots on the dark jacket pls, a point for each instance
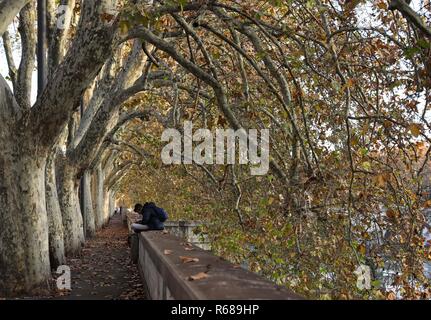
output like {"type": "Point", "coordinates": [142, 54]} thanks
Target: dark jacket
{"type": "Point", "coordinates": [150, 217]}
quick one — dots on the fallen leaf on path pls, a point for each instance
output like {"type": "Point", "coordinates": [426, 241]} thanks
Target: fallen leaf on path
{"type": "Point", "coordinates": [185, 259]}
{"type": "Point", "coordinates": [198, 276]}
{"type": "Point", "coordinates": [167, 252]}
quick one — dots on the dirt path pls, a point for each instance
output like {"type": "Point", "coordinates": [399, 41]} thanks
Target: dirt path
{"type": "Point", "coordinates": [104, 271]}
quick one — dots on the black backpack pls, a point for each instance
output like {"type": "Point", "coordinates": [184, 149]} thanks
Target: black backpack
{"type": "Point", "coordinates": [161, 214]}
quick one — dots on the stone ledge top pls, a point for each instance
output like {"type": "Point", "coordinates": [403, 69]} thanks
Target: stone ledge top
{"type": "Point", "coordinates": [224, 280]}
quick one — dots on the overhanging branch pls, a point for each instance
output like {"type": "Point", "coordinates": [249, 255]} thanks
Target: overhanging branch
{"type": "Point", "coordinates": [410, 15]}
{"type": "Point", "coordinates": [8, 11]}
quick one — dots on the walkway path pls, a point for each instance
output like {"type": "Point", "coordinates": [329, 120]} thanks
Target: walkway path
{"type": "Point", "coordinates": [104, 271]}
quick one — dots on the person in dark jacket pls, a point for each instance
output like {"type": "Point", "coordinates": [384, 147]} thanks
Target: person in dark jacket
{"type": "Point", "coordinates": [150, 219]}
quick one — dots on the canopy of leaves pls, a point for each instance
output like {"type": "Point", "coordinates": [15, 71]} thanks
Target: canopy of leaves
{"type": "Point", "coordinates": [344, 88]}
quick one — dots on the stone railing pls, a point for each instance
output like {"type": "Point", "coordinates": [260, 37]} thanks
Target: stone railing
{"type": "Point", "coordinates": [172, 269]}
{"type": "Point", "coordinates": [188, 231]}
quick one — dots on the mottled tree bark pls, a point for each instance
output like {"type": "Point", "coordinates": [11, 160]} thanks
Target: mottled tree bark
{"type": "Point", "coordinates": [24, 251]}
{"type": "Point", "coordinates": [99, 216]}
{"type": "Point", "coordinates": [70, 209]}
{"type": "Point", "coordinates": [55, 220]}
{"type": "Point", "coordinates": [106, 213]}
{"type": "Point", "coordinates": [89, 218]}
{"type": "Point", "coordinates": [8, 10]}
{"type": "Point", "coordinates": [111, 203]}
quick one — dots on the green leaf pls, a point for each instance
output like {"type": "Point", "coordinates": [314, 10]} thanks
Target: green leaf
{"type": "Point", "coordinates": [376, 283]}
{"type": "Point", "coordinates": [366, 165]}
{"type": "Point", "coordinates": [411, 52]}
{"type": "Point", "coordinates": [363, 151]}
{"type": "Point", "coordinates": [423, 44]}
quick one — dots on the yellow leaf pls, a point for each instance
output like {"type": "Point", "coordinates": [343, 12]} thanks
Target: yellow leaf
{"type": "Point", "coordinates": [415, 129]}
{"type": "Point", "coordinates": [380, 180]}
{"type": "Point", "coordinates": [366, 165]}
{"type": "Point", "coordinates": [124, 27]}
{"type": "Point", "coordinates": [382, 5]}
{"type": "Point", "coordinates": [362, 250]}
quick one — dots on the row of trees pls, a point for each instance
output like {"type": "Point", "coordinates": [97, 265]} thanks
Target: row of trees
{"type": "Point", "coordinates": [346, 105]}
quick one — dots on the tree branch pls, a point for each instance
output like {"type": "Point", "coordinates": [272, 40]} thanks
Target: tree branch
{"type": "Point", "coordinates": [90, 49]}
{"type": "Point", "coordinates": [7, 45]}
{"type": "Point", "coordinates": [410, 15]}
{"type": "Point", "coordinates": [28, 48]}
{"type": "Point", "coordinates": [8, 11]}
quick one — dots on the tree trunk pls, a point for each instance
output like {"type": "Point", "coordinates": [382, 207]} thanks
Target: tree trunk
{"type": "Point", "coordinates": [90, 227]}
{"type": "Point", "coordinates": [111, 203]}
{"type": "Point", "coordinates": [99, 217]}
{"type": "Point", "coordinates": [106, 213]}
{"type": "Point", "coordinates": [70, 209]}
{"type": "Point", "coordinates": [55, 223]}
{"type": "Point", "coordinates": [24, 250]}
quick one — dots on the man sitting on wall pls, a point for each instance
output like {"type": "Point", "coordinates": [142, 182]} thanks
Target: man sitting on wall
{"type": "Point", "coordinates": [152, 218]}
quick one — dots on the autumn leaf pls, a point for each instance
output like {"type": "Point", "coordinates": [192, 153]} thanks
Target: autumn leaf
{"type": "Point", "coordinates": [186, 259]}
{"type": "Point", "coordinates": [382, 5]}
{"type": "Point", "coordinates": [366, 165]}
{"type": "Point", "coordinates": [270, 200]}
{"type": "Point", "coordinates": [362, 249]}
{"type": "Point", "coordinates": [387, 124]}
{"type": "Point", "coordinates": [167, 252]}
{"type": "Point", "coordinates": [380, 180]}
{"type": "Point", "coordinates": [427, 204]}
{"type": "Point", "coordinates": [415, 129]}
{"type": "Point", "coordinates": [350, 5]}
{"type": "Point", "coordinates": [391, 296]}
{"type": "Point", "coordinates": [124, 27]}
{"type": "Point", "coordinates": [221, 121]}
{"type": "Point", "coordinates": [392, 214]}
{"type": "Point", "coordinates": [198, 276]}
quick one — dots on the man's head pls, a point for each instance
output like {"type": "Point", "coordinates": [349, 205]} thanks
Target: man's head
{"type": "Point", "coordinates": [138, 208]}
{"type": "Point", "coordinates": [149, 204]}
